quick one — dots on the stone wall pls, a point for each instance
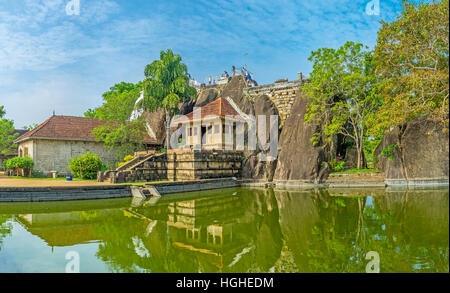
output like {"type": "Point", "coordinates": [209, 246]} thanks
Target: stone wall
{"type": "Point", "coordinates": [181, 165]}
{"type": "Point", "coordinates": [55, 155]}
{"type": "Point", "coordinates": [190, 165]}
{"type": "Point", "coordinates": [282, 94]}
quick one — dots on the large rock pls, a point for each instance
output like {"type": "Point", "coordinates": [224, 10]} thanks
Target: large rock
{"type": "Point", "coordinates": [351, 159]}
{"type": "Point", "coordinates": [155, 122]}
{"type": "Point", "coordinates": [421, 144]}
{"type": "Point", "coordinates": [254, 166]}
{"type": "Point", "coordinates": [186, 107]}
{"type": "Point", "coordinates": [298, 159]}
{"type": "Point", "coordinates": [235, 90]}
{"type": "Point", "coordinates": [206, 96]}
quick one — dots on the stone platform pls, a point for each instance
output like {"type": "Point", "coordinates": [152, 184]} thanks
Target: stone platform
{"type": "Point", "coordinates": [178, 165]}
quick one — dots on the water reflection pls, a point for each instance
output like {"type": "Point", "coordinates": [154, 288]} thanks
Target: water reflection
{"type": "Point", "coordinates": [245, 230]}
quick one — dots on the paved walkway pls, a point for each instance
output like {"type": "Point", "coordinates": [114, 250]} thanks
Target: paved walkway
{"type": "Point", "coordinates": [5, 181]}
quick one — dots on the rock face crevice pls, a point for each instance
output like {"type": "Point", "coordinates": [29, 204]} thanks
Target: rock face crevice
{"type": "Point", "coordinates": [417, 150]}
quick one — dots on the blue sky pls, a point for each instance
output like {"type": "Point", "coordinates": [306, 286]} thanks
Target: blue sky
{"type": "Point", "coordinates": [53, 61]}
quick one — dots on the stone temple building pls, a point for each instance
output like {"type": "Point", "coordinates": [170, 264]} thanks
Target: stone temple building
{"type": "Point", "coordinates": [211, 127]}
{"type": "Point", "coordinates": [56, 141]}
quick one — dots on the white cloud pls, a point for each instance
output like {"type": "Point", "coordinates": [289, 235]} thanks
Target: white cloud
{"type": "Point", "coordinates": [39, 35]}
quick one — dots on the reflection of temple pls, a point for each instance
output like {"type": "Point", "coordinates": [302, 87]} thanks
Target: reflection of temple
{"type": "Point", "coordinates": [205, 227]}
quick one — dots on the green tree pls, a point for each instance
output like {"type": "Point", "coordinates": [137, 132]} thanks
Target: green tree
{"type": "Point", "coordinates": [166, 84]}
{"type": "Point", "coordinates": [31, 127]}
{"type": "Point", "coordinates": [412, 58]}
{"type": "Point", "coordinates": [412, 61]}
{"type": "Point", "coordinates": [118, 132]}
{"type": "Point", "coordinates": [7, 135]}
{"type": "Point", "coordinates": [342, 94]}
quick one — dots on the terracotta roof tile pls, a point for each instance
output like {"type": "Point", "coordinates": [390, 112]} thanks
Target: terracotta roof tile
{"type": "Point", "coordinates": [220, 107]}
{"type": "Point", "coordinates": [67, 127]}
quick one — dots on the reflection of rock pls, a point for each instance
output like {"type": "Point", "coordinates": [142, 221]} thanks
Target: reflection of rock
{"type": "Point", "coordinates": [425, 151]}
{"type": "Point", "coordinates": [298, 158]}
{"type": "Point", "coordinates": [286, 262]}
{"type": "Point", "coordinates": [298, 216]}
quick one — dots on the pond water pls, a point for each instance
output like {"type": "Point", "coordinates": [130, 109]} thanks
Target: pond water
{"type": "Point", "coordinates": [232, 230]}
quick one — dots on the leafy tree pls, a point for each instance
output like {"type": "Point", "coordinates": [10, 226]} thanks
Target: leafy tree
{"type": "Point", "coordinates": [342, 94]}
{"type": "Point", "coordinates": [7, 135]}
{"type": "Point", "coordinates": [412, 58]}
{"type": "Point", "coordinates": [31, 127]}
{"type": "Point", "coordinates": [166, 84]}
{"type": "Point", "coordinates": [119, 132]}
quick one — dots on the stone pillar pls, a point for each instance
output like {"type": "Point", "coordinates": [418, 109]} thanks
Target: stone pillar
{"type": "Point", "coordinates": [300, 77]}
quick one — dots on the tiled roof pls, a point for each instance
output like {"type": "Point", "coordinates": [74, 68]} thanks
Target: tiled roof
{"type": "Point", "coordinates": [67, 128]}
{"type": "Point", "coordinates": [220, 107]}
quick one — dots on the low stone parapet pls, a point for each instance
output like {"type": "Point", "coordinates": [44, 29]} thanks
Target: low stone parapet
{"type": "Point", "coordinates": [37, 194]}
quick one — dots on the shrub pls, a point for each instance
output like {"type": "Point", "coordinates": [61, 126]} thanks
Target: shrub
{"type": "Point", "coordinates": [336, 165]}
{"type": "Point", "coordinates": [389, 151]}
{"type": "Point", "coordinates": [126, 159]}
{"type": "Point", "coordinates": [86, 166]}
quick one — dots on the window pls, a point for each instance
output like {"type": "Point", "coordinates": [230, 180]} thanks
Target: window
{"type": "Point", "coordinates": [25, 152]}
{"type": "Point", "coordinates": [209, 129]}
{"type": "Point", "coordinates": [195, 131]}
{"type": "Point", "coordinates": [189, 131]}
{"type": "Point", "coordinates": [216, 129]}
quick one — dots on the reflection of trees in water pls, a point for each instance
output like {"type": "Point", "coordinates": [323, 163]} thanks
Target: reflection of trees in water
{"type": "Point", "coordinates": [5, 228]}
{"type": "Point", "coordinates": [329, 233]}
{"type": "Point", "coordinates": [246, 227]}
{"type": "Point", "coordinates": [416, 230]}
{"type": "Point", "coordinates": [244, 230]}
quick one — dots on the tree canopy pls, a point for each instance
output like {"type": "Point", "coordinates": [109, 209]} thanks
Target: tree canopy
{"type": "Point", "coordinates": [119, 132]}
{"type": "Point", "coordinates": [412, 60]}
{"type": "Point", "coordinates": [7, 135]}
{"type": "Point", "coordinates": [363, 94]}
{"type": "Point", "coordinates": [166, 84]}
{"type": "Point", "coordinates": [342, 93]}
